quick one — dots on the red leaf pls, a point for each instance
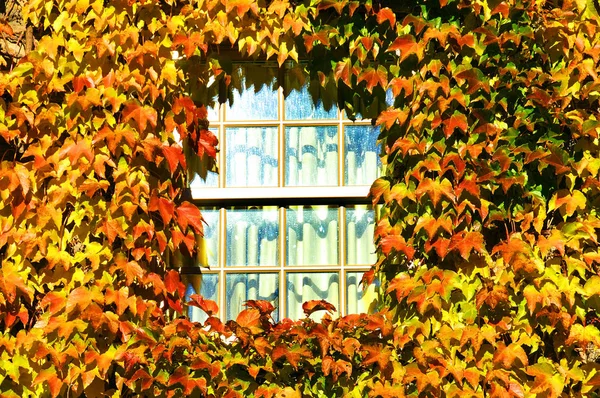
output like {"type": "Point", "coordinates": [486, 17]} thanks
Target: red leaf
{"type": "Point", "coordinates": [187, 213]}
{"type": "Point", "coordinates": [317, 305]}
{"type": "Point", "coordinates": [210, 307]}
{"type": "Point", "coordinates": [140, 114]}
{"type": "Point", "coordinates": [173, 283]}
{"type": "Point", "coordinates": [174, 155]}
{"type": "Point", "coordinates": [165, 207]}
{"type": "Point", "coordinates": [207, 143]}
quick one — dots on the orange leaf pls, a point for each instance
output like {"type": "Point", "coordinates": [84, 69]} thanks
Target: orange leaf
{"type": "Point", "coordinates": [140, 114]}
{"type": "Point", "coordinates": [389, 117]}
{"type": "Point", "coordinates": [397, 243]}
{"type": "Point", "coordinates": [435, 190]}
{"type": "Point", "coordinates": [251, 319]}
{"type": "Point", "coordinates": [386, 14]}
{"type": "Point", "coordinates": [317, 305]}
{"type": "Point", "coordinates": [407, 45]}
{"type": "Point", "coordinates": [293, 355]}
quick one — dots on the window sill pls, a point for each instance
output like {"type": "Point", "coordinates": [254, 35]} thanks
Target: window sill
{"type": "Point", "coordinates": [281, 195]}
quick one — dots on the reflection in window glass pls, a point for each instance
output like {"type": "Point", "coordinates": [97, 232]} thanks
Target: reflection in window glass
{"type": "Point", "coordinates": [299, 105]}
{"type": "Point", "coordinates": [253, 105]}
{"type": "Point", "coordinates": [312, 235]}
{"type": "Point", "coordinates": [358, 299]}
{"type": "Point", "coordinates": [311, 156]}
{"type": "Point", "coordinates": [208, 247]}
{"type": "Point", "coordinates": [251, 156]}
{"type": "Point", "coordinates": [240, 288]}
{"type": "Point", "coordinates": [360, 228]}
{"type": "Point", "coordinates": [302, 287]}
{"type": "Point", "coordinates": [252, 236]}
{"type": "Point", "coordinates": [362, 161]}
{"type": "Point", "coordinates": [207, 285]}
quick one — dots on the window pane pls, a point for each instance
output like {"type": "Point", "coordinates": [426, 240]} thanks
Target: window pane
{"type": "Point", "coordinates": [302, 287]}
{"type": "Point", "coordinates": [251, 155]}
{"type": "Point", "coordinates": [299, 105]}
{"type": "Point", "coordinates": [311, 155]}
{"type": "Point", "coordinates": [253, 105]}
{"type": "Point", "coordinates": [312, 235]}
{"type": "Point", "coordinates": [362, 155]}
{"type": "Point", "coordinates": [252, 236]}
{"type": "Point", "coordinates": [360, 228]}
{"type": "Point", "coordinates": [240, 288]}
{"type": "Point", "coordinates": [208, 248]}
{"type": "Point", "coordinates": [207, 285]}
{"type": "Point", "coordinates": [359, 300]}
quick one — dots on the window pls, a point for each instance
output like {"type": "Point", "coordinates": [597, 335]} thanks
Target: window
{"type": "Point", "coordinates": [288, 219]}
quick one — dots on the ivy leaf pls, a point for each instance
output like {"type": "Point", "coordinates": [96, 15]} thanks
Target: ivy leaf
{"type": "Point", "coordinates": [142, 115]}
{"type": "Point", "coordinates": [175, 157]}
{"type": "Point", "coordinates": [396, 242]}
{"type": "Point", "coordinates": [389, 117]}
{"type": "Point", "coordinates": [188, 214]}
{"type": "Point", "coordinates": [386, 14]}
{"type": "Point", "coordinates": [264, 307]}
{"type": "Point", "coordinates": [374, 77]}
{"type": "Point", "coordinates": [293, 354]}
{"type": "Point", "coordinates": [507, 355]}
{"type": "Point", "coordinates": [435, 189]}
{"type": "Point", "coordinates": [251, 319]}
{"type": "Point", "coordinates": [210, 307]}
{"type": "Point", "coordinates": [312, 306]}
{"type": "Point", "coordinates": [50, 376]}
{"type": "Point", "coordinates": [406, 45]}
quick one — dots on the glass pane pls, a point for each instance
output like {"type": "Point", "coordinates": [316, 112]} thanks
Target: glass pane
{"type": "Point", "coordinates": [252, 236]}
{"type": "Point", "coordinates": [253, 105]}
{"type": "Point", "coordinates": [358, 299]}
{"type": "Point", "coordinates": [207, 285]}
{"type": "Point", "coordinates": [363, 165]}
{"type": "Point", "coordinates": [242, 287]}
{"type": "Point", "coordinates": [311, 155]}
{"type": "Point", "coordinates": [360, 229]}
{"type": "Point", "coordinates": [251, 156]}
{"type": "Point", "coordinates": [299, 105]}
{"type": "Point", "coordinates": [312, 235]}
{"type": "Point", "coordinates": [302, 287]}
{"type": "Point", "coordinates": [208, 246]}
